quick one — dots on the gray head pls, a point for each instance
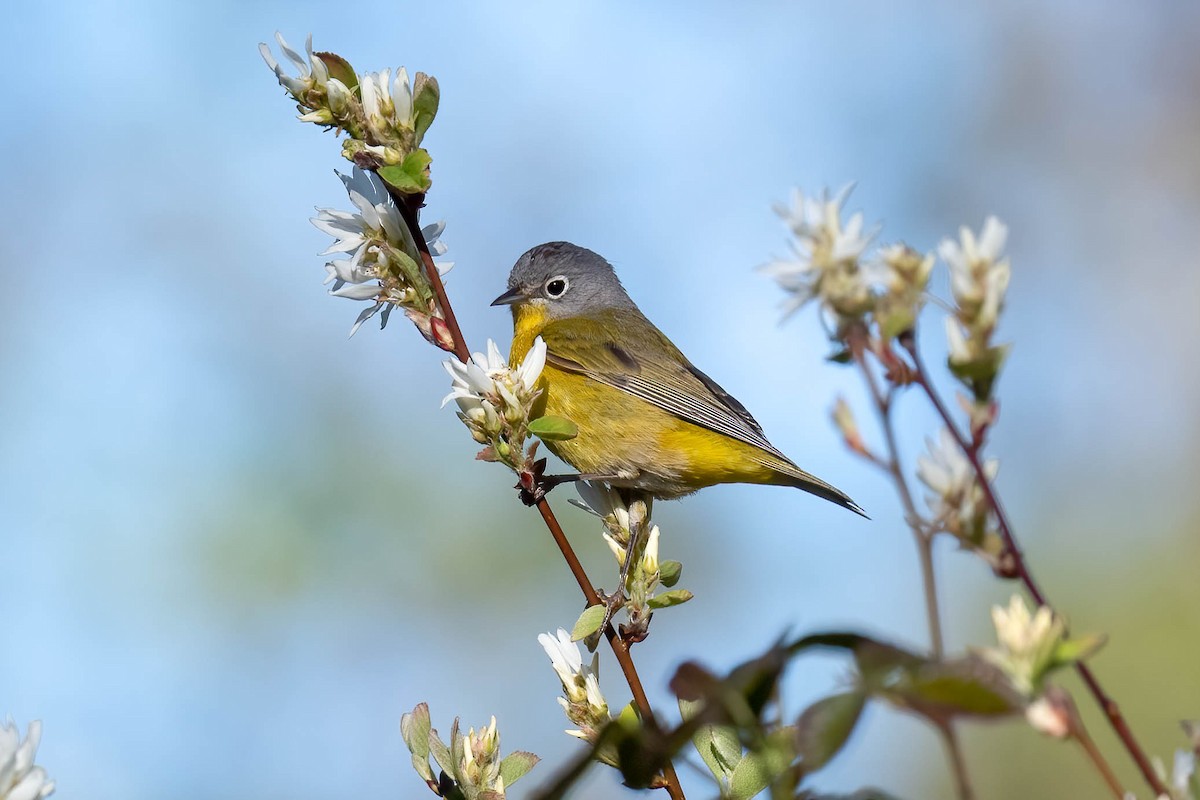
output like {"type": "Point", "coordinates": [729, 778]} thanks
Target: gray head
{"type": "Point", "coordinates": [565, 280]}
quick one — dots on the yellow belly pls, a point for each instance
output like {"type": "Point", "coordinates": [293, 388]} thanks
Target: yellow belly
{"type": "Point", "coordinates": [637, 444]}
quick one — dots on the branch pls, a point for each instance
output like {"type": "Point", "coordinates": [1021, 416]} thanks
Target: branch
{"type": "Point", "coordinates": [857, 341]}
{"type": "Point", "coordinates": [1013, 560]}
{"type": "Point", "coordinates": [409, 206]}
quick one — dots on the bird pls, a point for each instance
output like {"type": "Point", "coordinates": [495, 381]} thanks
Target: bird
{"type": "Point", "coordinates": [647, 418]}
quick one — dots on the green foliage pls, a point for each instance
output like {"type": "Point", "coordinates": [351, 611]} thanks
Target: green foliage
{"type": "Point", "coordinates": [825, 727]}
{"type": "Point", "coordinates": [553, 429]}
{"type": "Point", "coordinates": [669, 573]}
{"type": "Point", "coordinates": [672, 598]}
{"type": "Point", "coordinates": [589, 622]}
{"type": "Point", "coordinates": [426, 97]}
{"type": "Point", "coordinates": [410, 176]}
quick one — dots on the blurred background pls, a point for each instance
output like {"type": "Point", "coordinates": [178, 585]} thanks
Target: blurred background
{"type": "Point", "coordinates": [237, 545]}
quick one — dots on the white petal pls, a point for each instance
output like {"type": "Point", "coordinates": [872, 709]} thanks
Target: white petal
{"type": "Point", "coordinates": [359, 291]}
{"type": "Point", "coordinates": [402, 96]}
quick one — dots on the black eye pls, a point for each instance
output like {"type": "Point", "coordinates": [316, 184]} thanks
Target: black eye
{"type": "Point", "coordinates": [557, 286]}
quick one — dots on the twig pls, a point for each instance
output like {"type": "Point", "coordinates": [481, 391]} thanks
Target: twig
{"type": "Point", "coordinates": [1013, 557]}
{"type": "Point", "coordinates": [409, 206]}
{"type": "Point", "coordinates": [923, 539]}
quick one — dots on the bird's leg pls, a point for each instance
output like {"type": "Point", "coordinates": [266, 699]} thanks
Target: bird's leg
{"type": "Point", "coordinates": [616, 600]}
{"type": "Point", "coordinates": [534, 485]}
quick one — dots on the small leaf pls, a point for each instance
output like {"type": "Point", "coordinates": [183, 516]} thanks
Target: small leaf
{"type": "Point", "coordinates": [516, 765]}
{"type": "Point", "coordinates": [553, 429]}
{"type": "Point", "coordinates": [340, 69]}
{"type": "Point", "coordinates": [727, 748]}
{"type": "Point", "coordinates": [842, 356]}
{"type": "Point", "coordinates": [458, 747]}
{"type": "Point", "coordinates": [439, 751]}
{"type": "Point", "coordinates": [589, 622]}
{"type": "Point", "coordinates": [672, 598]}
{"type": "Point", "coordinates": [1073, 650]}
{"type": "Point", "coordinates": [414, 729]}
{"type": "Point", "coordinates": [669, 572]}
{"type": "Point", "coordinates": [411, 176]}
{"type": "Point", "coordinates": [757, 771]}
{"type": "Point", "coordinates": [426, 96]}
{"type": "Point", "coordinates": [825, 727]}
{"type": "Point", "coordinates": [967, 686]}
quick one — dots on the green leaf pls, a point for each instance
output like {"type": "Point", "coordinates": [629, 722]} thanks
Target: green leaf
{"type": "Point", "coordinates": [726, 749]}
{"type": "Point", "coordinates": [938, 690]}
{"type": "Point", "coordinates": [672, 598]}
{"type": "Point", "coordinates": [944, 690]}
{"type": "Point", "coordinates": [339, 68]}
{"type": "Point", "coordinates": [515, 766]}
{"type": "Point", "coordinates": [757, 771]}
{"type": "Point", "coordinates": [458, 744]}
{"type": "Point", "coordinates": [410, 176]}
{"type": "Point", "coordinates": [414, 729]}
{"type": "Point", "coordinates": [426, 96]}
{"type": "Point", "coordinates": [440, 753]}
{"type": "Point", "coordinates": [553, 429]}
{"type": "Point", "coordinates": [825, 727]}
{"type": "Point", "coordinates": [589, 622]}
{"type": "Point", "coordinates": [842, 356]}
{"type": "Point", "coordinates": [669, 572]}
{"type": "Point", "coordinates": [1070, 651]}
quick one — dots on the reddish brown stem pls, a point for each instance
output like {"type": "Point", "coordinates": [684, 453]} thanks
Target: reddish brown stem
{"type": "Point", "coordinates": [1013, 555]}
{"type": "Point", "coordinates": [409, 206]}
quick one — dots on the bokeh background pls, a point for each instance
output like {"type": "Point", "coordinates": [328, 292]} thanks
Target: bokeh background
{"type": "Point", "coordinates": [237, 545]}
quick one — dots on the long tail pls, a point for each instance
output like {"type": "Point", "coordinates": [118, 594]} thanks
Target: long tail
{"type": "Point", "coordinates": [791, 475]}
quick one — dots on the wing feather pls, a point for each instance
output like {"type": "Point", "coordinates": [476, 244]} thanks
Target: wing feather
{"type": "Point", "coordinates": [656, 373]}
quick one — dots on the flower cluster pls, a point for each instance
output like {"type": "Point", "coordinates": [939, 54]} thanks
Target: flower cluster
{"type": "Point", "coordinates": [20, 778]}
{"type": "Point", "coordinates": [626, 517]}
{"type": "Point", "coordinates": [956, 497]}
{"type": "Point", "coordinates": [386, 117]}
{"type": "Point", "coordinates": [904, 275]}
{"type": "Point", "coordinates": [381, 262]}
{"type": "Point", "coordinates": [496, 402]}
{"type": "Point", "coordinates": [979, 278]}
{"type": "Point", "coordinates": [1034, 645]}
{"type": "Point", "coordinates": [471, 765]}
{"type": "Point", "coordinates": [825, 256]}
{"type": "Point", "coordinates": [583, 702]}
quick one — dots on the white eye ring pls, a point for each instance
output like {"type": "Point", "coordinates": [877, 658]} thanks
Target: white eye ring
{"type": "Point", "coordinates": [557, 286]}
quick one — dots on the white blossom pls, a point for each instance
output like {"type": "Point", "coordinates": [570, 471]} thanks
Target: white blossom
{"type": "Point", "coordinates": [956, 498]}
{"type": "Point", "coordinates": [480, 763]}
{"type": "Point", "coordinates": [978, 275]}
{"type": "Point", "coordinates": [494, 400]}
{"type": "Point", "coordinates": [584, 704]}
{"type": "Point", "coordinates": [312, 71]}
{"type": "Point", "coordinates": [373, 240]}
{"type": "Point", "coordinates": [825, 255]}
{"type": "Point", "coordinates": [20, 778]}
{"type": "Point", "coordinates": [1027, 642]}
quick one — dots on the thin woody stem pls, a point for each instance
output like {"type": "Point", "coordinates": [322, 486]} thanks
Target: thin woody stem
{"type": "Point", "coordinates": [1014, 558]}
{"type": "Point", "coordinates": [924, 541]}
{"type": "Point", "coordinates": [409, 206]}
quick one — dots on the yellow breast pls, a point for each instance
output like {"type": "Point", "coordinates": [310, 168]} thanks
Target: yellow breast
{"type": "Point", "coordinates": [623, 435]}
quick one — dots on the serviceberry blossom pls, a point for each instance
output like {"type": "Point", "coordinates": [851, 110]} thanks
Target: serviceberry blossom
{"type": "Point", "coordinates": [584, 704]}
{"type": "Point", "coordinates": [381, 262]}
{"type": "Point", "coordinates": [825, 256]}
{"type": "Point", "coordinates": [495, 401]}
{"type": "Point", "coordinates": [20, 778]}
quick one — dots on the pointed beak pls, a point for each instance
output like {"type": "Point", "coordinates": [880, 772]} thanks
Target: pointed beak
{"type": "Point", "coordinates": [508, 298]}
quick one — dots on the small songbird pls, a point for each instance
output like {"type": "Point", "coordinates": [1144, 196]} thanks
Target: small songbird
{"type": "Point", "coordinates": [647, 419]}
